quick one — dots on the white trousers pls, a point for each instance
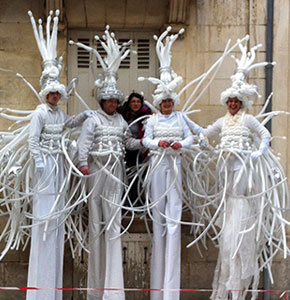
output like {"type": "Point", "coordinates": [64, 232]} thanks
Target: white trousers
{"type": "Point", "coordinates": [105, 265]}
{"type": "Point", "coordinates": [165, 260]}
{"type": "Point", "coordinates": [237, 254]}
{"type": "Point", "coordinates": [46, 256]}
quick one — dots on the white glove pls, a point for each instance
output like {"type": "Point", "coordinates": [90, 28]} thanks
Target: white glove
{"type": "Point", "coordinates": [39, 166]}
{"type": "Point", "coordinates": [265, 144]}
{"type": "Point", "coordinates": [256, 154]}
{"type": "Point", "coordinates": [202, 141]}
{"type": "Point", "coordinates": [79, 119]}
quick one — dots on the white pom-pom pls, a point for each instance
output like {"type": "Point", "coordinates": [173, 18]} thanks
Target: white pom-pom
{"type": "Point", "coordinates": [51, 12]}
{"type": "Point", "coordinates": [284, 138]}
{"type": "Point", "coordinates": [39, 21]}
{"type": "Point", "coordinates": [97, 38]}
{"type": "Point", "coordinates": [71, 42]}
{"type": "Point", "coordinates": [273, 63]}
{"type": "Point", "coordinates": [168, 28]}
{"type": "Point", "coordinates": [181, 31]}
{"type": "Point", "coordinates": [141, 78]}
{"type": "Point", "coordinates": [107, 27]}
{"type": "Point", "coordinates": [19, 75]}
{"type": "Point", "coordinates": [29, 13]}
{"type": "Point", "coordinates": [57, 12]}
{"type": "Point", "coordinates": [155, 37]}
{"type": "Point", "coordinates": [134, 52]}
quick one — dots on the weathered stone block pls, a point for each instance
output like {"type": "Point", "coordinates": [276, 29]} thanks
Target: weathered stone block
{"type": "Point", "coordinates": [258, 12]}
{"type": "Point", "coordinates": [219, 36]}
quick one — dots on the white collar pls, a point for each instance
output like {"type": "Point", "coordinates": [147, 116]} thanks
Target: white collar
{"type": "Point", "coordinates": [52, 108]}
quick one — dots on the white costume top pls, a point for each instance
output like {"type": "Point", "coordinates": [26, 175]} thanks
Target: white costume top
{"type": "Point", "coordinates": [103, 132]}
{"type": "Point", "coordinates": [171, 128]}
{"type": "Point", "coordinates": [46, 127]}
{"type": "Point", "coordinates": [237, 133]}
{"type": "Point", "coordinates": [247, 121]}
{"type": "Point", "coordinates": [44, 117]}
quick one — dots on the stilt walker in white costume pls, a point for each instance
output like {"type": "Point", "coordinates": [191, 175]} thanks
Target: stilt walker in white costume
{"type": "Point", "coordinates": [101, 144]}
{"type": "Point", "coordinates": [46, 127]}
{"type": "Point", "coordinates": [36, 172]}
{"type": "Point", "coordinates": [166, 135]}
{"type": "Point", "coordinates": [252, 190]}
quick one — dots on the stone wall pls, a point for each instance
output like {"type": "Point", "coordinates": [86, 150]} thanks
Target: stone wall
{"type": "Point", "coordinates": [19, 54]}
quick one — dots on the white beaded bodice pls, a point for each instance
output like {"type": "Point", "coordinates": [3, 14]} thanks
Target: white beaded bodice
{"type": "Point", "coordinates": [235, 138]}
{"type": "Point", "coordinates": [170, 134]}
{"type": "Point", "coordinates": [50, 138]}
{"type": "Point", "coordinates": [108, 140]}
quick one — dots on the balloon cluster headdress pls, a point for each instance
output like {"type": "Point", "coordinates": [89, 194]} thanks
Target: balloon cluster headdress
{"type": "Point", "coordinates": [168, 78]}
{"type": "Point", "coordinates": [107, 82]}
{"type": "Point", "coordinates": [240, 88]}
{"type": "Point", "coordinates": [49, 81]}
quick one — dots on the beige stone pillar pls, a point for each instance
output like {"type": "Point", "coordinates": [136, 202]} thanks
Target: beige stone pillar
{"type": "Point", "coordinates": [281, 83]}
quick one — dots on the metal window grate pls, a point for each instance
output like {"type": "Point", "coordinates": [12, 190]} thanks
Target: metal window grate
{"type": "Point", "coordinates": [83, 55]}
{"type": "Point", "coordinates": [143, 49]}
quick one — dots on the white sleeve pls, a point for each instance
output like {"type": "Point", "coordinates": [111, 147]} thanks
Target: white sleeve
{"type": "Point", "coordinates": [35, 128]}
{"type": "Point", "coordinates": [130, 142]}
{"type": "Point", "coordinates": [214, 129]}
{"type": "Point", "coordinates": [255, 126]}
{"type": "Point", "coordinates": [75, 121]}
{"type": "Point", "coordinates": [148, 140]}
{"type": "Point", "coordinates": [85, 140]}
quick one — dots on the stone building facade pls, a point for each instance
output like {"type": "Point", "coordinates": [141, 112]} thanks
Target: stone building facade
{"type": "Point", "coordinates": [208, 26]}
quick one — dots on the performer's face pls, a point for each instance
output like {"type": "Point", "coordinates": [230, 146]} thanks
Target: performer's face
{"type": "Point", "coordinates": [135, 104]}
{"type": "Point", "coordinates": [110, 106]}
{"type": "Point", "coordinates": [166, 106]}
{"type": "Point", "coordinates": [234, 105]}
{"type": "Point", "coordinates": [53, 98]}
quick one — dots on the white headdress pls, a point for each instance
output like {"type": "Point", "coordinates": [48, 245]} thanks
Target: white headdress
{"type": "Point", "coordinates": [107, 82]}
{"type": "Point", "coordinates": [240, 88]}
{"type": "Point", "coordinates": [168, 78]}
{"type": "Point", "coordinates": [51, 65]}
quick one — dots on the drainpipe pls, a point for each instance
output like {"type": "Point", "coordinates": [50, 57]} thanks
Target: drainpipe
{"type": "Point", "coordinates": [269, 56]}
{"type": "Point", "coordinates": [269, 82]}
